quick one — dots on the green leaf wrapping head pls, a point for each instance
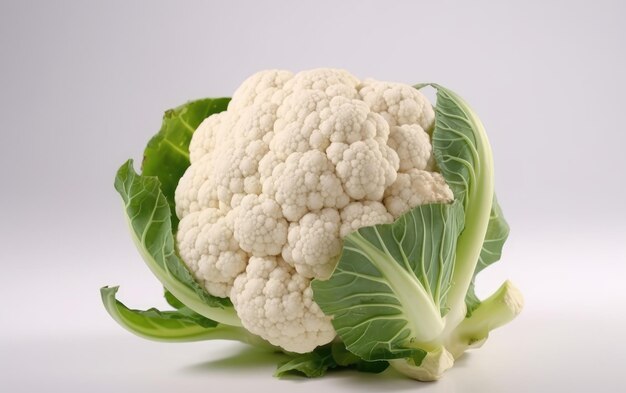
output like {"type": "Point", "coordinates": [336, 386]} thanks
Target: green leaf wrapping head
{"type": "Point", "coordinates": [148, 204]}
{"type": "Point", "coordinates": [167, 154]}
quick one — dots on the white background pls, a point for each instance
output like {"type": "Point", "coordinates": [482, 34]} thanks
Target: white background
{"type": "Point", "coordinates": [83, 86]}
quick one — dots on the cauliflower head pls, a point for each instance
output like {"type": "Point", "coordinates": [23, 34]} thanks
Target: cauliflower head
{"type": "Point", "coordinates": [296, 163]}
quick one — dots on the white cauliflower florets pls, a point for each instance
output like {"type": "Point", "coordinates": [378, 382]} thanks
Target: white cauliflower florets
{"type": "Point", "coordinates": [276, 303]}
{"type": "Point", "coordinates": [332, 82]}
{"type": "Point", "coordinates": [305, 182]}
{"type": "Point", "coordinates": [206, 243]}
{"type": "Point", "coordinates": [412, 145]}
{"type": "Point", "coordinates": [260, 227]}
{"type": "Point", "coordinates": [314, 245]}
{"type": "Point", "coordinates": [363, 214]}
{"type": "Point", "coordinates": [262, 87]}
{"type": "Point", "coordinates": [196, 188]}
{"type": "Point", "coordinates": [414, 188]}
{"type": "Point", "coordinates": [364, 171]}
{"type": "Point", "coordinates": [398, 103]}
{"type": "Point", "coordinates": [294, 165]}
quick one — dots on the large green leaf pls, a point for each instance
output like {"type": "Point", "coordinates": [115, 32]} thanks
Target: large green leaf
{"type": "Point", "coordinates": [344, 358]}
{"type": "Point", "coordinates": [394, 283]}
{"type": "Point", "coordinates": [148, 215]}
{"type": "Point", "coordinates": [167, 154]}
{"type": "Point", "coordinates": [333, 356]}
{"type": "Point", "coordinates": [497, 233]}
{"type": "Point", "coordinates": [391, 281]}
{"type": "Point", "coordinates": [455, 146]}
{"type": "Point", "coordinates": [180, 325]}
{"type": "Point", "coordinates": [312, 364]}
{"type": "Point", "coordinates": [463, 154]}
{"type": "Point", "coordinates": [174, 326]}
{"type": "Point", "coordinates": [464, 157]}
{"type": "Point", "coordinates": [171, 299]}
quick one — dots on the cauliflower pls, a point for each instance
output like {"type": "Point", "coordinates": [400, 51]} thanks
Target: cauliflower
{"type": "Point", "coordinates": [342, 221]}
{"type": "Point", "coordinates": [295, 164]}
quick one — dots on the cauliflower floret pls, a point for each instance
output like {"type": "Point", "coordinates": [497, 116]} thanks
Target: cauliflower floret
{"type": "Point", "coordinates": [331, 81]}
{"type": "Point", "coordinates": [267, 165]}
{"type": "Point", "coordinates": [363, 214]}
{"type": "Point", "coordinates": [276, 303]}
{"type": "Point", "coordinates": [413, 146]}
{"type": "Point", "coordinates": [264, 86]}
{"type": "Point", "coordinates": [297, 126]}
{"type": "Point", "coordinates": [335, 151]}
{"type": "Point", "coordinates": [206, 244]}
{"type": "Point", "coordinates": [254, 123]}
{"type": "Point", "coordinates": [313, 244]}
{"type": "Point", "coordinates": [299, 106]}
{"type": "Point", "coordinates": [305, 182]}
{"type": "Point", "coordinates": [414, 188]}
{"type": "Point", "coordinates": [364, 172]}
{"type": "Point", "coordinates": [398, 103]}
{"type": "Point", "coordinates": [260, 227]}
{"type": "Point", "coordinates": [350, 121]}
{"type": "Point", "coordinates": [238, 175]}
{"type": "Point", "coordinates": [207, 134]}
{"type": "Point", "coordinates": [196, 188]}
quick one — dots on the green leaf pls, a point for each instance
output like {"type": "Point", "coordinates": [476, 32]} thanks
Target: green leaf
{"type": "Point", "coordinates": [333, 356]}
{"type": "Point", "coordinates": [497, 233]}
{"type": "Point", "coordinates": [171, 299]}
{"type": "Point", "coordinates": [454, 145]}
{"type": "Point", "coordinates": [463, 154]}
{"type": "Point", "coordinates": [345, 358]}
{"type": "Point", "coordinates": [394, 283]}
{"type": "Point", "coordinates": [167, 154]}
{"type": "Point", "coordinates": [312, 364]}
{"type": "Point", "coordinates": [181, 325]}
{"type": "Point", "coordinates": [386, 293]}
{"type": "Point", "coordinates": [173, 326]}
{"type": "Point", "coordinates": [342, 356]}
{"type": "Point", "coordinates": [148, 215]}
{"type": "Point", "coordinates": [375, 367]}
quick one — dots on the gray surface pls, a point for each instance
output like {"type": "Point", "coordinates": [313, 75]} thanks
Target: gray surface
{"type": "Point", "coordinates": [83, 86]}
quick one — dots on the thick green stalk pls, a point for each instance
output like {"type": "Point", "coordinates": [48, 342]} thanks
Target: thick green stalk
{"type": "Point", "coordinates": [477, 212]}
{"type": "Point", "coordinates": [495, 311]}
{"type": "Point", "coordinates": [436, 362]}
